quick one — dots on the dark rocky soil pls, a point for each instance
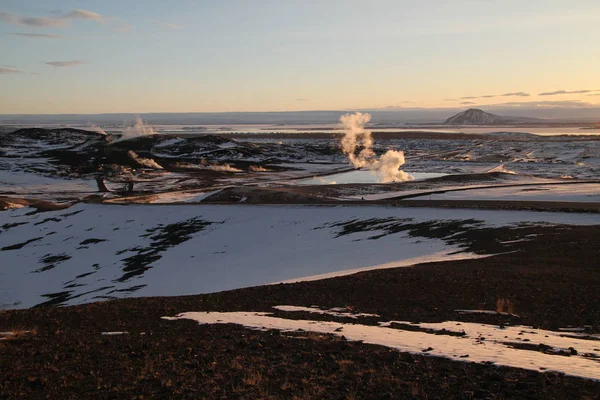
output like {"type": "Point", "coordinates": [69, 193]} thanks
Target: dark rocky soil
{"type": "Point", "coordinates": [553, 281]}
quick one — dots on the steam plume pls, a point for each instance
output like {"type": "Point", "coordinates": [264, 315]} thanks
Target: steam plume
{"type": "Point", "coordinates": [137, 130]}
{"type": "Point", "coordinates": [258, 168]}
{"type": "Point", "coordinates": [224, 168]}
{"type": "Point", "coordinates": [203, 165]}
{"type": "Point", "coordinates": [387, 167]}
{"type": "Point", "coordinates": [146, 162]}
{"type": "Point", "coordinates": [97, 128]}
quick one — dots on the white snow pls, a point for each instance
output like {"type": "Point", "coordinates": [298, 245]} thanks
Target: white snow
{"type": "Point", "coordinates": [480, 343]}
{"type": "Point", "coordinates": [181, 197]}
{"type": "Point", "coordinates": [169, 142]}
{"type": "Point", "coordinates": [244, 246]}
{"type": "Point", "coordinates": [485, 312]}
{"type": "Point", "coordinates": [580, 192]}
{"type": "Point", "coordinates": [515, 241]}
{"type": "Point", "coordinates": [336, 312]}
{"type": "Point", "coordinates": [425, 192]}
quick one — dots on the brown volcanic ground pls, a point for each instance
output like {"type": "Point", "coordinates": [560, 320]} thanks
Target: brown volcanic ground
{"type": "Point", "coordinates": [553, 281]}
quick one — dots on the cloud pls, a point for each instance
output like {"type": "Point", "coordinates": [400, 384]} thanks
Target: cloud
{"type": "Point", "coordinates": [491, 96]}
{"type": "Point", "coordinates": [594, 94]}
{"type": "Point", "coordinates": [4, 69]}
{"type": "Point", "coordinates": [465, 103]}
{"type": "Point", "coordinates": [36, 22]}
{"type": "Point", "coordinates": [84, 14]}
{"type": "Point", "coordinates": [170, 25]}
{"type": "Point", "coordinates": [559, 92]}
{"type": "Point", "coordinates": [401, 105]}
{"type": "Point", "coordinates": [38, 35]}
{"type": "Point", "coordinates": [62, 20]}
{"type": "Point", "coordinates": [545, 104]}
{"type": "Point", "coordinates": [518, 94]}
{"type": "Point", "coordinates": [301, 99]}
{"type": "Point", "coordinates": [62, 64]}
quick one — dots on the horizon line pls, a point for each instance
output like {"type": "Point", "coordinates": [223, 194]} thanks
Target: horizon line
{"type": "Point", "coordinates": [354, 109]}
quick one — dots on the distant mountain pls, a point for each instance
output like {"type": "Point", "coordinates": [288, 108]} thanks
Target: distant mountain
{"type": "Point", "coordinates": [474, 116]}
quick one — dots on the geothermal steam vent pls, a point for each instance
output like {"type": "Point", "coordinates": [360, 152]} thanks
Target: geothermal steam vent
{"type": "Point", "coordinates": [386, 167]}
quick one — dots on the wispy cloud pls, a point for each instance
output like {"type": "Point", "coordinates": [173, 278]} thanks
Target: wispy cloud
{"type": "Point", "coordinates": [491, 96]}
{"type": "Point", "coordinates": [5, 69]}
{"type": "Point", "coordinates": [518, 94]}
{"type": "Point", "coordinates": [170, 25]}
{"type": "Point", "coordinates": [85, 14]}
{"type": "Point", "coordinates": [465, 103]}
{"type": "Point", "coordinates": [37, 35]}
{"type": "Point", "coordinates": [36, 22]}
{"type": "Point", "coordinates": [62, 64]}
{"type": "Point", "coordinates": [301, 99]}
{"type": "Point", "coordinates": [594, 94]}
{"type": "Point", "coordinates": [559, 92]}
{"type": "Point", "coordinates": [63, 19]}
{"type": "Point", "coordinates": [401, 105]}
{"type": "Point", "coordinates": [545, 104]}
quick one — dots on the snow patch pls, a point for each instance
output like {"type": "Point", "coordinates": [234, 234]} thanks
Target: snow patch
{"type": "Point", "coordinates": [486, 312]}
{"type": "Point", "coordinates": [335, 312]}
{"type": "Point", "coordinates": [477, 342]}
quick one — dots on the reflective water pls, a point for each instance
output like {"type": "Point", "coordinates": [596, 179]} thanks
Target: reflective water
{"type": "Point", "coordinates": [360, 176]}
{"type": "Point", "coordinates": [335, 128]}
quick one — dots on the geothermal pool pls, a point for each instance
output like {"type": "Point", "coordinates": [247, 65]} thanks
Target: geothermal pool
{"type": "Point", "coordinates": [359, 176]}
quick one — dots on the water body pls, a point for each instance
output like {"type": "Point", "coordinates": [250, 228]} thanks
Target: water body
{"type": "Point", "coordinates": [359, 177]}
{"type": "Point", "coordinates": [335, 128]}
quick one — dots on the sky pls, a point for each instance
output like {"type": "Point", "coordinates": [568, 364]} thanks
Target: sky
{"type": "Point", "coordinates": [80, 56]}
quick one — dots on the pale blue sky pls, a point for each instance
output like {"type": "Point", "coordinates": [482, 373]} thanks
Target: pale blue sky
{"type": "Point", "coordinates": [289, 55]}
